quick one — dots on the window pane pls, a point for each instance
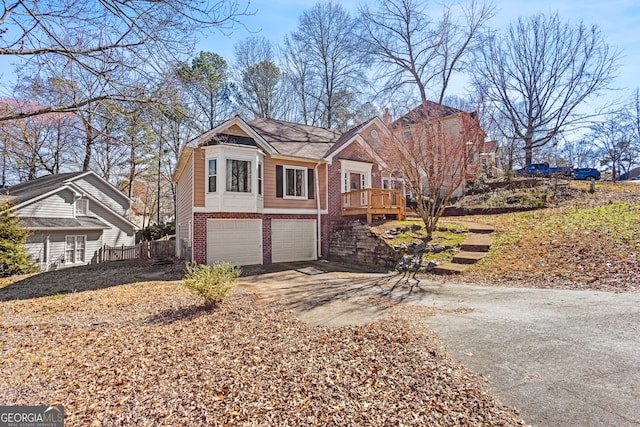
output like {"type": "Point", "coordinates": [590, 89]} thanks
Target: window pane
{"type": "Point", "coordinates": [291, 182]}
{"type": "Point", "coordinates": [213, 174]}
{"type": "Point", "coordinates": [238, 176]}
{"type": "Point", "coordinates": [70, 249]}
{"type": "Point", "coordinates": [299, 182]}
{"type": "Point", "coordinates": [82, 207]}
{"type": "Point", "coordinates": [80, 244]}
{"type": "Point", "coordinates": [260, 179]}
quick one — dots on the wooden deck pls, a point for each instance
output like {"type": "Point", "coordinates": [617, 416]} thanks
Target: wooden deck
{"type": "Point", "coordinates": [372, 202]}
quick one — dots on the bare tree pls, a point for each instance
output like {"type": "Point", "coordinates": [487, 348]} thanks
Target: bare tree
{"type": "Point", "coordinates": [259, 78]}
{"type": "Point", "coordinates": [436, 149]}
{"type": "Point", "coordinates": [298, 78]}
{"type": "Point", "coordinates": [613, 143]}
{"type": "Point", "coordinates": [413, 50]}
{"type": "Point", "coordinates": [332, 61]}
{"type": "Point", "coordinates": [105, 35]}
{"type": "Point", "coordinates": [36, 145]}
{"type": "Point", "coordinates": [539, 72]}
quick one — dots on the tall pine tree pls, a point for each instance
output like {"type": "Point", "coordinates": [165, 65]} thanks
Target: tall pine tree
{"type": "Point", "coordinates": [13, 256]}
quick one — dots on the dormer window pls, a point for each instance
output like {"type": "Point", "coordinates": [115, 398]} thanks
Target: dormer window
{"type": "Point", "coordinates": [82, 207]}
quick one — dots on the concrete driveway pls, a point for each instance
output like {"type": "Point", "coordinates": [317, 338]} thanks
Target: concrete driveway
{"type": "Point", "coordinates": [563, 358]}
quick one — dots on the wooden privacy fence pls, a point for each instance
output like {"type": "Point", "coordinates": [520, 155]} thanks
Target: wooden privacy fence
{"type": "Point", "coordinates": [143, 250]}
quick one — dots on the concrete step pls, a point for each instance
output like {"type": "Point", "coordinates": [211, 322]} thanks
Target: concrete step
{"type": "Point", "coordinates": [481, 228]}
{"type": "Point", "coordinates": [466, 257]}
{"type": "Point", "coordinates": [450, 268]}
{"type": "Point", "coordinates": [476, 243]}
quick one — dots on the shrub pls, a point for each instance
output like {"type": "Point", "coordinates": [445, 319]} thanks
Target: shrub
{"type": "Point", "coordinates": [213, 283]}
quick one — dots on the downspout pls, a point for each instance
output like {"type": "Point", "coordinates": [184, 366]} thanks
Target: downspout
{"type": "Point", "coordinates": [318, 227]}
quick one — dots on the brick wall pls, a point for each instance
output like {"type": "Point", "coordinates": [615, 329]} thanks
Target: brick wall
{"type": "Point", "coordinates": [351, 241]}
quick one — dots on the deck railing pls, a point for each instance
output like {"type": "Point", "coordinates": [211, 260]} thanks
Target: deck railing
{"type": "Point", "coordinates": [374, 201]}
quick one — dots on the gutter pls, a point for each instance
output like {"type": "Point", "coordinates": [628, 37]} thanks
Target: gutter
{"type": "Point", "coordinates": [319, 228]}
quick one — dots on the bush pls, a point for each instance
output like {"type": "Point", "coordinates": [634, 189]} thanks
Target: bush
{"type": "Point", "coordinates": [213, 283]}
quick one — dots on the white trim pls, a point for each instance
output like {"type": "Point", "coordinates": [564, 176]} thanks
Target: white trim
{"type": "Point", "coordinates": [269, 211]}
{"type": "Point", "coordinates": [75, 207]}
{"type": "Point", "coordinates": [305, 184]}
{"type": "Point", "coordinates": [40, 197]}
{"type": "Point", "coordinates": [272, 211]}
{"type": "Point", "coordinates": [207, 174]}
{"type": "Point", "coordinates": [75, 248]}
{"type": "Point", "coordinates": [351, 166]}
{"type": "Point", "coordinates": [237, 120]}
{"type": "Point", "coordinates": [99, 203]}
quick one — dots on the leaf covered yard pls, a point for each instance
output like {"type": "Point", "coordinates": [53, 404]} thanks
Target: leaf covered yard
{"type": "Point", "coordinates": [147, 353]}
{"type": "Point", "coordinates": [591, 243]}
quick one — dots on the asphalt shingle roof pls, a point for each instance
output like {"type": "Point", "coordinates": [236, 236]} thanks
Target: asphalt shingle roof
{"type": "Point", "coordinates": [28, 190]}
{"type": "Point", "coordinates": [79, 223]}
{"type": "Point", "coordinates": [294, 139]}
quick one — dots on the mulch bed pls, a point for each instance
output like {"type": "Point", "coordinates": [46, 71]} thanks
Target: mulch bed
{"type": "Point", "coordinates": [147, 354]}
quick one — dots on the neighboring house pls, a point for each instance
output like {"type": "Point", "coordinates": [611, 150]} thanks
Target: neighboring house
{"type": "Point", "coordinates": [266, 191]}
{"type": "Point", "coordinates": [455, 122]}
{"type": "Point", "coordinates": [70, 217]}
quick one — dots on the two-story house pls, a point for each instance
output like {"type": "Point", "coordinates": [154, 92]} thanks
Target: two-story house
{"type": "Point", "coordinates": [266, 191]}
{"type": "Point", "coordinates": [70, 216]}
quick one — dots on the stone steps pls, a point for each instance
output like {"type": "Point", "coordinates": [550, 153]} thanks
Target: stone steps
{"type": "Point", "coordinates": [472, 250]}
{"type": "Point", "coordinates": [468, 257]}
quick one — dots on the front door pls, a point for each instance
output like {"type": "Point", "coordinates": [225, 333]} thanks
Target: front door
{"type": "Point", "coordinates": [355, 181]}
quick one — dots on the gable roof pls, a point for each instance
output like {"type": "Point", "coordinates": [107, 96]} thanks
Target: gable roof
{"type": "Point", "coordinates": [355, 135]}
{"type": "Point", "coordinates": [40, 188]}
{"type": "Point", "coordinates": [294, 139]}
{"type": "Point", "coordinates": [28, 190]}
{"type": "Point", "coordinates": [429, 111]}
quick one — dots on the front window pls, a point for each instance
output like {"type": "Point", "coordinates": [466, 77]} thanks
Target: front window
{"type": "Point", "coordinates": [238, 176]}
{"type": "Point", "coordinates": [213, 176]}
{"type": "Point", "coordinates": [296, 182]}
{"type": "Point", "coordinates": [75, 249]}
{"type": "Point", "coordinates": [82, 207]}
{"type": "Point", "coordinates": [260, 179]}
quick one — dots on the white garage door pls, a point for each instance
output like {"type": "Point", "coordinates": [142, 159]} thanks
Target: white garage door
{"type": "Point", "coordinates": [293, 240]}
{"type": "Point", "coordinates": [238, 241]}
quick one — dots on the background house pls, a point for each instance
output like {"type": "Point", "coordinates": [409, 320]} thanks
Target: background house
{"type": "Point", "coordinates": [70, 216]}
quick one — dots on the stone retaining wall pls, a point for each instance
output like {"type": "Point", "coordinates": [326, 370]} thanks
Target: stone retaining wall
{"type": "Point", "coordinates": [352, 242]}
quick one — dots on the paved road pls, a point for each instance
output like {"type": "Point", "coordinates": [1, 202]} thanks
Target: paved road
{"type": "Point", "coordinates": [563, 358]}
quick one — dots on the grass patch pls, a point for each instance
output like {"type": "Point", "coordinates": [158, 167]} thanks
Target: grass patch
{"type": "Point", "coordinates": [578, 242]}
{"type": "Point", "coordinates": [447, 234]}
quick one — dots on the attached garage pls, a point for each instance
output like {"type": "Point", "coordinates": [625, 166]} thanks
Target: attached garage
{"type": "Point", "coordinates": [293, 240]}
{"type": "Point", "coordinates": [238, 241]}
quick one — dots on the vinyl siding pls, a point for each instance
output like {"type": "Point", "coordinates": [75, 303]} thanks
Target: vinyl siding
{"type": "Point", "coordinates": [104, 193]}
{"type": "Point", "coordinates": [58, 205]}
{"type": "Point", "coordinates": [273, 202]}
{"type": "Point", "coordinates": [120, 232]}
{"type": "Point", "coordinates": [57, 247]}
{"type": "Point", "coordinates": [184, 202]}
{"type": "Point", "coordinates": [235, 130]}
{"type": "Point", "coordinates": [198, 178]}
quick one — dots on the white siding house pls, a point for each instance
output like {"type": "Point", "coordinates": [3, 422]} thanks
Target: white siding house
{"type": "Point", "coordinates": [70, 217]}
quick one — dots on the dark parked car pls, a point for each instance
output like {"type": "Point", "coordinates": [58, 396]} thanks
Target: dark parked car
{"type": "Point", "coordinates": [586, 173]}
{"type": "Point", "coordinates": [544, 170]}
